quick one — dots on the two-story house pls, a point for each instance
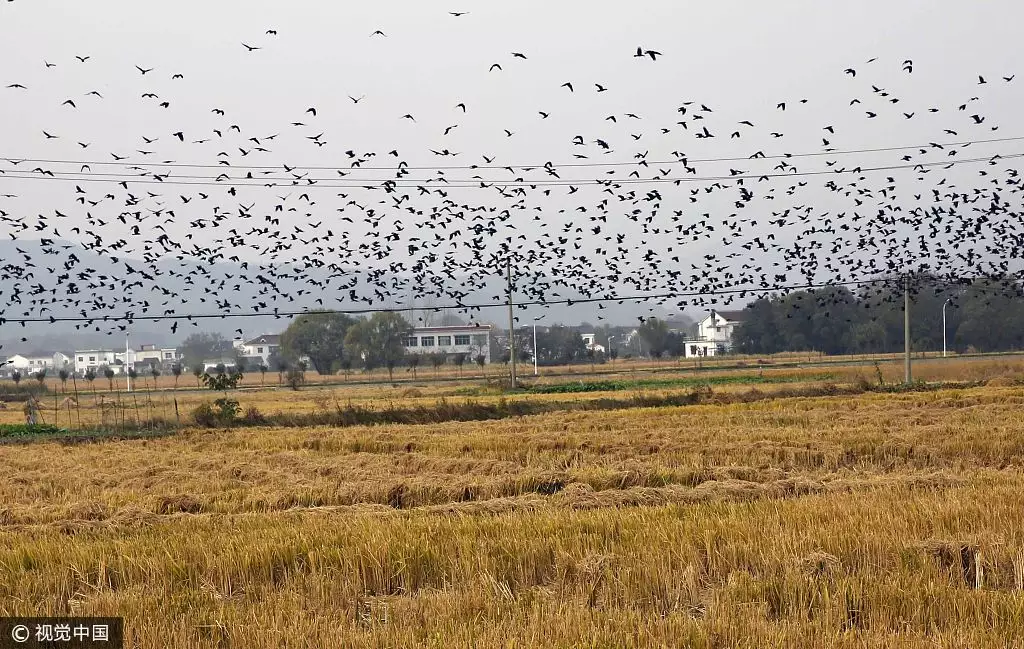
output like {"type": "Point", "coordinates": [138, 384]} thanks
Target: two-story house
{"type": "Point", "coordinates": [718, 328]}
{"type": "Point", "coordinates": [96, 358]}
{"type": "Point", "coordinates": [261, 347]}
{"type": "Point", "coordinates": [470, 340]}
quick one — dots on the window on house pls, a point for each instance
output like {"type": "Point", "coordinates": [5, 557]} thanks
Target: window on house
{"type": "Point", "coordinates": [259, 350]}
{"type": "Point", "coordinates": [411, 341]}
{"type": "Point", "coordinates": [427, 341]}
{"type": "Point", "coordinates": [92, 359]}
{"type": "Point", "coordinates": [444, 341]}
{"type": "Point", "coordinates": [81, 359]}
{"type": "Point", "coordinates": [461, 340]}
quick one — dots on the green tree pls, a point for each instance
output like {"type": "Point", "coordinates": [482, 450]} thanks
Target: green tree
{"type": "Point", "coordinates": [200, 346]}
{"type": "Point", "coordinates": [176, 371]}
{"type": "Point", "coordinates": [556, 344]}
{"type": "Point", "coordinates": [109, 373]}
{"type": "Point", "coordinates": [655, 334]}
{"type": "Point", "coordinates": [379, 339]}
{"type": "Point", "coordinates": [414, 362]}
{"type": "Point", "coordinates": [16, 377]}
{"type": "Point", "coordinates": [319, 335]}
{"type": "Point", "coordinates": [759, 333]}
{"type": "Point", "coordinates": [197, 371]}
{"type": "Point", "coordinates": [64, 375]}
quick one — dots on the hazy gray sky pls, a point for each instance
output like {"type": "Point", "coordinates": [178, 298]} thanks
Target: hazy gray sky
{"type": "Point", "coordinates": [739, 59]}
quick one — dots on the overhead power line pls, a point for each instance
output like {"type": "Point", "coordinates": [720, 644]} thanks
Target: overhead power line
{"type": "Point", "coordinates": [618, 163]}
{"type": "Point", "coordinates": [486, 183]}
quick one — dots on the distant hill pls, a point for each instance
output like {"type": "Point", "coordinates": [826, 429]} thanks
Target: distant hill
{"type": "Point", "coordinates": [172, 290]}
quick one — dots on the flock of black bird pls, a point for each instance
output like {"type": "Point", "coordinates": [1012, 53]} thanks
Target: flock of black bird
{"type": "Point", "coordinates": [610, 222]}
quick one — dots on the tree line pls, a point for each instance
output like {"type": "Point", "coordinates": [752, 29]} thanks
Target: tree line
{"type": "Point", "coordinates": [332, 342]}
{"type": "Point", "coordinates": [984, 315]}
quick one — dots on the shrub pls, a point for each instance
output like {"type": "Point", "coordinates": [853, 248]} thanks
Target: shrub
{"type": "Point", "coordinates": [222, 412]}
{"type": "Point", "coordinates": [295, 377]}
{"type": "Point", "coordinates": [27, 430]}
{"type": "Point", "coordinates": [204, 415]}
{"type": "Point", "coordinates": [253, 416]}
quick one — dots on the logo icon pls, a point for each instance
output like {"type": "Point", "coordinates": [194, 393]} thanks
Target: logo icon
{"type": "Point", "coordinates": [20, 633]}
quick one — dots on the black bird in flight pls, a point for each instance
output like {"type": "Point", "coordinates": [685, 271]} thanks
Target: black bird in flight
{"type": "Point", "coordinates": [144, 71]}
{"type": "Point", "coordinates": [458, 13]}
{"type": "Point", "coordinates": [251, 48]}
{"type": "Point", "coordinates": [518, 55]}
{"type": "Point", "coordinates": [568, 85]}
{"type": "Point", "coordinates": [272, 32]}
{"type": "Point", "coordinates": [378, 33]}
{"type": "Point", "coordinates": [641, 53]}
{"type": "Point", "coordinates": [494, 65]}
{"type": "Point", "coordinates": [83, 59]}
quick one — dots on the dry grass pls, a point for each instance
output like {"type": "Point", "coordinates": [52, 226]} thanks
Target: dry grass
{"type": "Point", "coordinates": [146, 403]}
{"type": "Point", "coordinates": [806, 522]}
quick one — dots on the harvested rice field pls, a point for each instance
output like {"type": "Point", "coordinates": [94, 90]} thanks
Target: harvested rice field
{"type": "Point", "coordinates": [856, 520]}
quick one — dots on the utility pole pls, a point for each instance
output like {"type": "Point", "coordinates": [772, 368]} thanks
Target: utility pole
{"type": "Point", "coordinates": [127, 362]}
{"type": "Point", "coordinates": [906, 330]}
{"type": "Point", "coordinates": [511, 324]}
{"type": "Point", "coordinates": [948, 300]}
{"type": "Point", "coordinates": [535, 349]}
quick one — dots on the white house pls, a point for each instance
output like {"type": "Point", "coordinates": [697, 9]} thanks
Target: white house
{"type": "Point", "coordinates": [263, 347]}
{"type": "Point", "coordinates": [718, 328]}
{"type": "Point", "coordinates": [57, 361]}
{"type": "Point", "coordinates": [147, 355]}
{"type": "Point", "coordinates": [590, 340]}
{"type": "Point", "coordinates": [210, 364]}
{"type": "Point", "coordinates": [699, 348]}
{"type": "Point", "coordinates": [463, 339]}
{"type": "Point", "coordinates": [95, 359]}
